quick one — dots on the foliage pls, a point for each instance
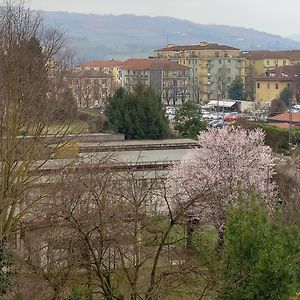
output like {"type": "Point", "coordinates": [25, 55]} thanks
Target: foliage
{"type": "Point", "coordinates": [236, 89]}
{"type": "Point", "coordinates": [277, 106]}
{"type": "Point", "coordinates": [259, 255]}
{"type": "Point", "coordinates": [6, 270]}
{"type": "Point", "coordinates": [286, 95]}
{"type": "Point", "coordinates": [81, 293]}
{"type": "Point", "coordinates": [94, 119]}
{"type": "Point", "coordinates": [139, 115]}
{"type": "Point", "coordinates": [276, 138]}
{"type": "Point", "coordinates": [189, 121]}
{"type": "Point", "coordinates": [66, 107]}
{"type": "Point", "coordinates": [208, 178]}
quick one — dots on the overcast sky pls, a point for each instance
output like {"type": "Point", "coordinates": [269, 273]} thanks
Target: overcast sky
{"type": "Point", "coordinates": [273, 16]}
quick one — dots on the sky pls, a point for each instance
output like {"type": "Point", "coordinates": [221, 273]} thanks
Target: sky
{"type": "Point", "coordinates": [272, 16]}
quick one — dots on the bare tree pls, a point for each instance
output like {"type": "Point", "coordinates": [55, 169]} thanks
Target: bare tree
{"type": "Point", "coordinates": [25, 110]}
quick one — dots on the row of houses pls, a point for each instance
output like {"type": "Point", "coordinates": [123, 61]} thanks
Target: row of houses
{"type": "Point", "coordinates": [200, 72]}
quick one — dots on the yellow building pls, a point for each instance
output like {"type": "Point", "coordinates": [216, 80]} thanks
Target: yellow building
{"type": "Point", "coordinates": [270, 84]}
{"type": "Point", "coordinates": [212, 66]}
{"type": "Point", "coordinates": [266, 61]}
{"type": "Point", "coordinates": [110, 67]}
{"type": "Point", "coordinates": [268, 89]}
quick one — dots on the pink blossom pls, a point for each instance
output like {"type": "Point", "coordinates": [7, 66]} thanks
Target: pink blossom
{"type": "Point", "coordinates": [209, 178]}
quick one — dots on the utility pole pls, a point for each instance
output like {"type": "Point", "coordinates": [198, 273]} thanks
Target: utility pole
{"type": "Point", "coordinates": [290, 123]}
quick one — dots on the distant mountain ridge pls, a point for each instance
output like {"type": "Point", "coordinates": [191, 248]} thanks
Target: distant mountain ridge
{"type": "Point", "coordinates": [125, 36]}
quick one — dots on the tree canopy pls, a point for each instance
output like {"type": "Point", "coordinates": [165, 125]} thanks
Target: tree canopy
{"type": "Point", "coordinates": [139, 115]}
{"type": "Point", "coordinates": [236, 89]}
{"type": "Point", "coordinates": [259, 255]}
{"type": "Point", "coordinates": [286, 95]}
{"type": "Point", "coordinates": [208, 178]}
{"type": "Point", "coordinates": [188, 120]}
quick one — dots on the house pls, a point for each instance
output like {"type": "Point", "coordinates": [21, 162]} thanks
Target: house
{"type": "Point", "coordinates": [270, 84]}
{"type": "Point", "coordinates": [90, 88]}
{"type": "Point", "coordinates": [168, 79]}
{"type": "Point", "coordinates": [212, 66]}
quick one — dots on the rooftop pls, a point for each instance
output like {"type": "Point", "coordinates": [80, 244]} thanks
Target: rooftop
{"type": "Point", "coordinates": [89, 74]}
{"type": "Point", "coordinates": [266, 54]}
{"type": "Point", "coordinates": [201, 46]}
{"type": "Point", "coordinates": [285, 117]}
{"type": "Point", "coordinates": [100, 64]}
{"type": "Point", "coordinates": [152, 64]}
{"type": "Point", "coordinates": [283, 73]}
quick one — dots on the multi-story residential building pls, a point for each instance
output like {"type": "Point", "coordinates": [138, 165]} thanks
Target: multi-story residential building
{"type": "Point", "coordinates": [90, 87]}
{"type": "Point", "coordinates": [270, 84]}
{"type": "Point", "coordinates": [110, 67]}
{"type": "Point", "coordinates": [168, 79]}
{"type": "Point", "coordinates": [266, 61]}
{"type": "Point", "coordinates": [212, 66]}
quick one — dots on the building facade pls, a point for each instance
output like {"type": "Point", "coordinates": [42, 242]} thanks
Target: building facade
{"type": "Point", "coordinates": [212, 67]}
{"type": "Point", "coordinates": [267, 61]}
{"type": "Point", "coordinates": [168, 79]}
{"type": "Point", "coordinates": [109, 67]}
{"type": "Point", "coordinates": [90, 88]}
{"type": "Point", "coordinates": [269, 85]}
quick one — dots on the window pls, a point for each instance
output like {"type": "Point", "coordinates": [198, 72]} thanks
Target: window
{"type": "Point", "coordinates": [268, 85]}
{"type": "Point", "coordinates": [284, 62]}
{"type": "Point", "coordinates": [268, 62]}
{"type": "Point", "coordinates": [217, 54]}
{"type": "Point", "coordinates": [220, 62]}
{"type": "Point", "coordinates": [258, 85]}
{"type": "Point", "coordinates": [276, 86]}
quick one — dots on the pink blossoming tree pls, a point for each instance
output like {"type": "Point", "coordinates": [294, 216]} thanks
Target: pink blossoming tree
{"type": "Point", "coordinates": [229, 161]}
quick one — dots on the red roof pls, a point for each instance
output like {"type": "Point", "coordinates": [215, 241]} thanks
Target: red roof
{"type": "Point", "coordinates": [100, 64]}
{"type": "Point", "coordinates": [284, 125]}
{"type": "Point", "coordinates": [89, 74]}
{"type": "Point", "coordinates": [283, 73]}
{"type": "Point", "coordinates": [152, 64]}
{"type": "Point", "coordinates": [266, 54]}
{"type": "Point", "coordinates": [285, 117]}
{"type": "Point", "coordinates": [202, 46]}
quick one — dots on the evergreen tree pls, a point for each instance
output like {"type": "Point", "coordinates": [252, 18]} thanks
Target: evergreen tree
{"type": "Point", "coordinates": [286, 95]}
{"type": "Point", "coordinates": [139, 115]}
{"type": "Point", "coordinates": [259, 255]}
{"type": "Point", "coordinates": [236, 89]}
{"type": "Point", "coordinates": [189, 121]}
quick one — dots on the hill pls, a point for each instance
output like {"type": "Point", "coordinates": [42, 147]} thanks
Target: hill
{"type": "Point", "coordinates": [120, 37]}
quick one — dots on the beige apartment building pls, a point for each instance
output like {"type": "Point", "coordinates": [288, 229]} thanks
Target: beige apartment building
{"type": "Point", "coordinates": [168, 79]}
{"type": "Point", "coordinates": [212, 67]}
{"type": "Point", "coordinates": [91, 88]}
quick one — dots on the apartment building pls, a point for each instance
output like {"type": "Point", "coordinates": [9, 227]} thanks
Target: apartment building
{"type": "Point", "coordinates": [91, 88]}
{"type": "Point", "coordinates": [212, 66]}
{"type": "Point", "coordinates": [266, 61]}
{"type": "Point", "coordinates": [270, 84]}
{"type": "Point", "coordinates": [169, 80]}
{"type": "Point", "coordinates": [110, 67]}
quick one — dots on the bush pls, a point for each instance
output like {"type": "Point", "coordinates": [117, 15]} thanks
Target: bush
{"type": "Point", "coordinates": [81, 293]}
{"type": "Point", "coordinates": [93, 118]}
{"type": "Point", "coordinates": [258, 255]}
{"type": "Point", "coordinates": [276, 138]}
